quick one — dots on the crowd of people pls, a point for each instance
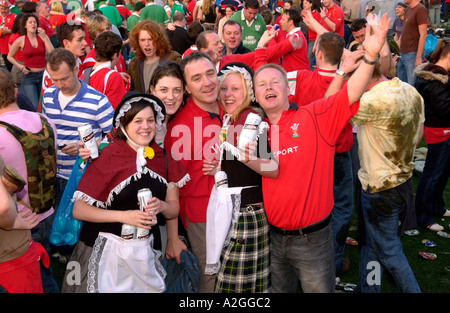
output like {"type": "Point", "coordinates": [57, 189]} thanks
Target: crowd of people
{"type": "Point", "coordinates": [342, 92]}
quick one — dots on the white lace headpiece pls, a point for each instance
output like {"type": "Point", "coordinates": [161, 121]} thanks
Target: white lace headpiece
{"type": "Point", "coordinates": [247, 77]}
{"type": "Point", "coordinates": [140, 158]}
{"type": "Point", "coordinates": [127, 106]}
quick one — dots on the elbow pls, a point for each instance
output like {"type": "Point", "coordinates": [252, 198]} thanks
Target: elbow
{"type": "Point", "coordinates": [270, 170]}
{"type": "Point", "coordinates": [77, 210]}
{"type": "Point", "coordinates": [172, 211]}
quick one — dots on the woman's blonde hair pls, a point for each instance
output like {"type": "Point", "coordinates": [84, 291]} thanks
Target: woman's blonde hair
{"type": "Point", "coordinates": [57, 7]}
{"type": "Point", "coordinates": [246, 104]}
{"type": "Point", "coordinates": [206, 6]}
{"type": "Point", "coordinates": [94, 25]}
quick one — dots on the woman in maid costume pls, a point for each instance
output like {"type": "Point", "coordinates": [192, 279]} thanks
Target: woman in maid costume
{"type": "Point", "coordinates": [106, 199]}
{"type": "Point", "coordinates": [244, 258]}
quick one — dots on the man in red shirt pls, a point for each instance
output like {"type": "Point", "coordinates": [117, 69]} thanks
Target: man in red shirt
{"type": "Point", "coordinates": [299, 201]}
{"type": "Point", "coordinates": [101, 75]}
{"type": "Point", "coordinates": [298, 58]}
{"type": "Point", "coordinates": [333, 16]}
{"type": "Point", "coordinates": [44, 13]}
{"type": "Point", "coordinates": [6, 22]}
{"type": "Point", "coordinates": [192, 137]}
{"type": "Point", "coordinates": [308, 86]}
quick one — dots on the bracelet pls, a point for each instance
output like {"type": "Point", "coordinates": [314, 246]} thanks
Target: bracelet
{"type": "Point", "coordinates": [370, 62]}
{"type": "Point", "coordinates": [325, 17]}
{"type": "Point", "coordinates": [340, 72]}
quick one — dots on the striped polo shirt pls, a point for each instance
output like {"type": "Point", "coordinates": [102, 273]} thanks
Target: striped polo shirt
{"type": "Point", "coordinates": [88, 106]}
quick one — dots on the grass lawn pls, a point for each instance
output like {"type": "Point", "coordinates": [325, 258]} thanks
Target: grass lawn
{"type": "Point", "coordinates": [433, 276]}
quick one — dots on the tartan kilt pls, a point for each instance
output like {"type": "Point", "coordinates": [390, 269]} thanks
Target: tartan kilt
{"type": "Point", "coordinates": [245, 260]}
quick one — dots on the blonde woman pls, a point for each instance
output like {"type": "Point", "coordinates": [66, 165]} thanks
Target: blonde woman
{"type": "Point", "coordinates": [244, 262]}
{"type": "Point", "coordinates": [57, 16]}
{"type": "Point", "coordinates": [207, 14]}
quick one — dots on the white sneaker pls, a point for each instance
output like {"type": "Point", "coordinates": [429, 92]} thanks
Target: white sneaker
{"type": "Point", "coordinates": [435, 227]}
{"type": "Point", "coordinates": [447, 213]}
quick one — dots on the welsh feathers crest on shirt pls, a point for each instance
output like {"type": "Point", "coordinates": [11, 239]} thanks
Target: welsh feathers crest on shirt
{"type": "Point", "coordinates": [294, 129]}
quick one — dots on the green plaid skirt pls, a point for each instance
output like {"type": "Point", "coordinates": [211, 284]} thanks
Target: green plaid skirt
{"type": "Point", "coordinates": [245, 260]}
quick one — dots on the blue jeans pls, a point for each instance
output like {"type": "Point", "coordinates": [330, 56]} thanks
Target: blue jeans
{"type": "Point", "coordinates": [405, 67]}
{"type": "Point", "coordinates": [309, 258]}
{"type": "Point", "coordinates": [429, 199]}
{"type": "Point", "coordinates": [31, 85]}
{"type": "Point", "coordinates": [343, 204]}
{"type": "Point", "coordinates": [311, 56]}
{"type": "Point", "coordinates": [381, 211]}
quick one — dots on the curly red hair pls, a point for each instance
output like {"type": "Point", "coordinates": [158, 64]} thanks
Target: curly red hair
{"type": "Point", "coordinates": [160, 39]}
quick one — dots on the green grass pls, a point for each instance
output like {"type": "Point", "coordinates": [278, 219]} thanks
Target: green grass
{"type": "Point", "coordinates": [433, 276]}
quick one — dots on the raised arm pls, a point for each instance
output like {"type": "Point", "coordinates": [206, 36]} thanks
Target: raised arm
{"type": "Point", "coordinates": [372, 45]}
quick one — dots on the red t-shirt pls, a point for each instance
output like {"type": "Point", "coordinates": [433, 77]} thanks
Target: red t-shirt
{"type": "Point", "coordinates": [191, 137]}
{"type": "Point", "coordinates": [18, 55]}
{"type": "Point", "coordinates": [303, 143]}
{"type": "Point", "coordinates": [312, 35]}
{"type": "Point", "coordinates": [336, 15]}
{"type": "Point", "coordinates": [298, 58]}
{"type": "Point", "coordinates": [45, 25]}
{"type": "Point", "coordinates": [4, 39]}
{"type": "Point", "coordinates": [190, 9]}
{"type": "Point", "coordinates": [436, 134]}
{"type": "Point", "coordinates": [308, 86]}
{"type": "Point", "coordinates": [89, 60]}
{"type": "Point", "coordinates": [33, 57]}
{"type": "Point", "coordinates": [110, 83]}
{"type": "Point", "coordinates": [260, 56]}
{"type": "Point", "coordinates": [123, 11]}
{"type": "Point", "coordinates": [56, 20]}
{"type": "Point", "coordinates": [189, 51]}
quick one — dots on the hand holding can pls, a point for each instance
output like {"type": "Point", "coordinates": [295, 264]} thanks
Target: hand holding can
{"type": "Point", "coordinates": [88, 139]}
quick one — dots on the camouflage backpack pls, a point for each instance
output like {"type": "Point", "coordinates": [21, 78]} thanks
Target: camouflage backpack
{"type": "Point", "coordinates": [40, 157]}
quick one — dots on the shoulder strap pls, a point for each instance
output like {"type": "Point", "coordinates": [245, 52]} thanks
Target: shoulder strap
{"type": "Point", "coordinates": [106, 80]}
{"type": "Point", "coordinates": [87, 75]}
{"type": "Point", "coordinates": [165, 162]}
{"type": "Point", "coordinates": [13, 129]}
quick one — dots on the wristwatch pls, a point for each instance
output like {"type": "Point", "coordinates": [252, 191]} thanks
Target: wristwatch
{"type": "Point", "coordinates": [370, 62]}
{"type": "Point", "coordinates": [340, 72]}
{"type": "Point", "coordinates": [325, 17]}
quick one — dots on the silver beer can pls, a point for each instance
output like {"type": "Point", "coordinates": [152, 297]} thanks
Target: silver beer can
{"type": "Point", "coordinates": [128, 232]}
{"type": "Point", "coordinates": [250, 130]}
{"type": "Point", "coordinates": [143, 196]}
{"type": "Point", "coordinates": [87, 137]}
{"type": "Point", "coordinates": [221, 179]}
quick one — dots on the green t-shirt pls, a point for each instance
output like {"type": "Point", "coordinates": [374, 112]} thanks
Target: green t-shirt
{"type": "Point", "coordinates": [130, 7]}
{"type": "Point", "coordinates": [156, 13]}
{"type": "Point", "coordinates": [177, 6]}
{"type": "Point", "coordinates": [132, 20]}
{"type": "Point", "coordinates": [112, 14]}
{"type": "Point", "coordinates": [250, 34]}
{"type": "Point", "coordinates": [15, 10]}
